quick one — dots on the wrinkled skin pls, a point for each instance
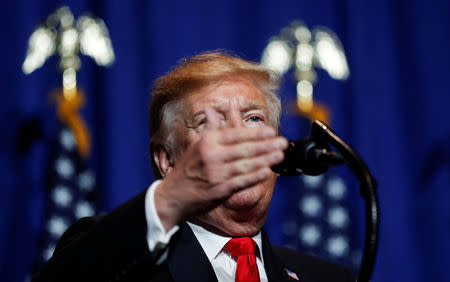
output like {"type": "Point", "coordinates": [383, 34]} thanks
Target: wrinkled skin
{"type": "Point", "coordinates": [222, 178]}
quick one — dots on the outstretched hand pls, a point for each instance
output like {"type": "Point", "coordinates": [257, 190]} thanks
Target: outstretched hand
{"type": "Point", "coordinates": [221, 162]}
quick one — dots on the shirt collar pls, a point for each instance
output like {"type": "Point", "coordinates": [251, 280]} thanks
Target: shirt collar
{"type": "Point", "coordinates": [213, 244]}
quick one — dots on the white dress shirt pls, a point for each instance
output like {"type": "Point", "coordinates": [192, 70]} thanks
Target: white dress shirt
{"type": "Point", "coordinates": [213, 245]}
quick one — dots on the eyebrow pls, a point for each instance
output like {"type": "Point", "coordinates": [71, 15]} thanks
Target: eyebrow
{"type": "Point", "coordinates": [254, 106]}
{"type": "Point", "coordinates": [248, 107]}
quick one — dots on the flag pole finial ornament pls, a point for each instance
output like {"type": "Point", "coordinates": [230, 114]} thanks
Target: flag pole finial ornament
{"type": "Point", "coordinates": [303, 50]}
{"type": "Point", "coordinates": [65, 36]}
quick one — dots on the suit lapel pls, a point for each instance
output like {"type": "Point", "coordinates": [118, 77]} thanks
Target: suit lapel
{"type": "Point", "coordinates": [187, 260]}
{"type": "Point", "coordinates": [275, 269]}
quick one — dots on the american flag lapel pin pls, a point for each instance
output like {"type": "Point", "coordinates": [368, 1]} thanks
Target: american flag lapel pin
{"type": "Point", "coordinates": [292, 274]}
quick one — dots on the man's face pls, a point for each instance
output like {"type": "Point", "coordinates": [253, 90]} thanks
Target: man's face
{"type": "Point", "coordinates": [237, 103]}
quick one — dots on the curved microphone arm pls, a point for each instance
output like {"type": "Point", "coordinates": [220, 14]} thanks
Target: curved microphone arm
{"type": "Point", "coordinates": [296, 164]}
{"type": "Point", "coordinates": [368, 191]}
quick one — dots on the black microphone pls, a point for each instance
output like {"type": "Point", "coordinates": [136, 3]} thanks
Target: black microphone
{"type": "Point", "coordinates": [307, 156]}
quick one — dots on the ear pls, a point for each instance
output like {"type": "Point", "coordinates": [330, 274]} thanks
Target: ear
{"type": "Point", "coordinates": [163, 160]}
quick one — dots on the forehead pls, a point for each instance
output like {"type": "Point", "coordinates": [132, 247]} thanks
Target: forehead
{"type": "Point", "coordinates": [231, 92]}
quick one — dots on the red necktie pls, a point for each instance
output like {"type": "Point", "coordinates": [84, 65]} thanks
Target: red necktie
{"type": "Point", "coordinates": [244, 250]}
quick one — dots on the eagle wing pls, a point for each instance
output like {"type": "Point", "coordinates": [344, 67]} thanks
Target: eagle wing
{"type": "Point", "coordinates": [94, 40]}
{"type": "Point", "coordinates": [41, 45]}
{"type": "Point", "coordinates": [329, 53]}
{"type": "Point", "coordinates": [278, 56]}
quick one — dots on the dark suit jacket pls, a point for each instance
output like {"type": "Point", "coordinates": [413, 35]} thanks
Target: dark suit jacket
{"type": "Point", "coordinates": [114, 248]}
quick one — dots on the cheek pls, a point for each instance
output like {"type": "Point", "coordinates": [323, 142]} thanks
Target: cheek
{"type": "Point", "coordinates": [269, 186]}
{"type": "Point", "coordinates": [183, 138]}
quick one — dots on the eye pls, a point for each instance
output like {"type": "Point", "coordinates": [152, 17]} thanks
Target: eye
{"type": "Point", "coordinates": [255, 119]}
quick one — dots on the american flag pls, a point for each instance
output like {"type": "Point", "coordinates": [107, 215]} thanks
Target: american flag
{"type": "Point", "coordinates": [71, 193]}
{"type": "Point", "coordinates": [292, 274]}
{"type": "Point", "coordinates": [321, 224]}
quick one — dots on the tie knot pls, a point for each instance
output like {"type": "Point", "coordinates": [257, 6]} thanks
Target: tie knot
{"type": "Point", "coordinates": [241, 246]}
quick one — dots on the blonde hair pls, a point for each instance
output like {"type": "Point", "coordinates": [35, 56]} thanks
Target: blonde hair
{"type": "Point", "coordinates": [194, 73]}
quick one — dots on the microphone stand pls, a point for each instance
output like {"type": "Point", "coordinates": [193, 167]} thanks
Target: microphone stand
{"type": "Point", "coordinates": [325, 136]}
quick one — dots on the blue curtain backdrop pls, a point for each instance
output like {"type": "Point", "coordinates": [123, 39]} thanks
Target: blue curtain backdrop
{"type": "Point", "coordinates": [394, 110]}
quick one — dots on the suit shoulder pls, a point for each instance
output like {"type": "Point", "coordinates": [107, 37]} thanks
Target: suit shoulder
{"type": "Point", "coordinates": [288, 255]}
{"type": "Point", "coordinates": [316, 269]}
{"type": "Point", "coordinates": [80, 227]}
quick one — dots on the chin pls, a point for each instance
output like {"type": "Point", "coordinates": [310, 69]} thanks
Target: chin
{"type": "Point", "coordinates": [240, 216]}
{"type": "Point", "coordinates": [243, 214]}
{"type": "Point", "coordinates": [245, 199]}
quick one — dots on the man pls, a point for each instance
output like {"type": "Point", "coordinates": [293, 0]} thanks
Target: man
{"type": "Point", "coordinates": [213, 126]}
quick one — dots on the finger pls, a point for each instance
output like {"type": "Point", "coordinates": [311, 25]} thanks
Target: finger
{"type": "Point", "coordinates": [212, 119]}
{"type": "Point", "coordinates": [242, 181]}
{"type": "Point", "coordinates": [251, 149]}
{"type": "Point", "coordinates": [236, 135]}
{"type": "Point", "coordinates": [247, 165]}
